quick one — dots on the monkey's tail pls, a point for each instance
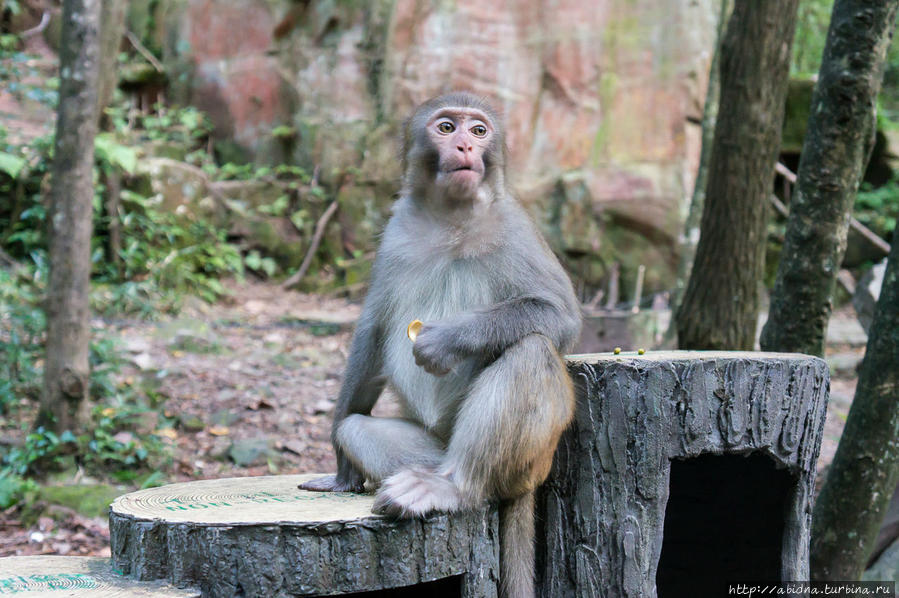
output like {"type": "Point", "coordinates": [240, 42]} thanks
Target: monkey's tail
{"type": "Point", "coordinates": [516, 541]}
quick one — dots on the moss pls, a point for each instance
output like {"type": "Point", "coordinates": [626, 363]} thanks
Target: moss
{"type": "Point", "coordinates": [796, 112]}
{"type": "Point", "coordinates": [90, 500]}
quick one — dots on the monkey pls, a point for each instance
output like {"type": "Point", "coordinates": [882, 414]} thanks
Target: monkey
{"type": "Point", "coordinates": [484, 390]}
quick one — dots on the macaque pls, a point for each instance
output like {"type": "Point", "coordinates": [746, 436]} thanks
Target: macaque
{"type": "Point", "coordinates": [484, 390]}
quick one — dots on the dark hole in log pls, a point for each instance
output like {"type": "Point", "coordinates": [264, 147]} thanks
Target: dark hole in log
{"type": "Point", "coordinates": [448, 587]}
{"type": "Point", "coordinates": [724, 523]}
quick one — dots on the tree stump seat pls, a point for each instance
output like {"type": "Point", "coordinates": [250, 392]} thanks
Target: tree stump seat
{"type": "Point", "coordinates": [76, 577]}
{"type": "Point", "coordinates": [264, 537]}
{"type": "Point", "coordinates": [681, 471]}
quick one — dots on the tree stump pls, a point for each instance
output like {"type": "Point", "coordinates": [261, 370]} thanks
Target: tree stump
{"type": "Point", "coordinates": [77, 577]}
{"type": "Point", "coordinates": [683, 471]}
{"type": "Point", "coordinates": [264, 537]}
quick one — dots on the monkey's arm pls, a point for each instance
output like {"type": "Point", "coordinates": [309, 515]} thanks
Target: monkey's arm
{"type": "Point", "coordinates": [488, 332]}
{"type": "Point", "coordinates": [362, 385]}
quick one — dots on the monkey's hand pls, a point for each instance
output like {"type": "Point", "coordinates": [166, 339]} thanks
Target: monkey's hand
{"type": "Point", "coordinates": [433, 349]}
{"type": "Point", "coordinates": [334, 483]}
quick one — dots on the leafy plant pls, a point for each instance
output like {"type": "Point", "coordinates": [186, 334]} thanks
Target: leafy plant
{"type": "Point", "coordinates": [22, 325]}
{"type": "Point", "coordinates": [878, 208]}
{"type": "Point", "coordinates": [14, 488]}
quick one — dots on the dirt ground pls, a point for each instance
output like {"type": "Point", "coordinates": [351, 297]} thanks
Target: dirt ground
{"type": "Point", "coordinates": [248, 387]}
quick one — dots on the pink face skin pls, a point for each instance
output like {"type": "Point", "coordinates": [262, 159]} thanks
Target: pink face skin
{"type": "Point", "coordinates": [461, 136]}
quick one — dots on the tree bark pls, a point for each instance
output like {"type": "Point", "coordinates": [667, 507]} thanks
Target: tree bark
{"type": "Point", "coordinates": [865, 469]}
{"type": "Point", "coordinates": [66, 369]}
{"type": "Point", "coordinates": [721, 303]}
{"type": "Point", "coordinates": [709, 117]}
{"type": "Point", "coordinates": [840, 137]}
{"type": "Point", "coordinates": [112, 28]}
{"type": "Point", "coordinates": [261, 536]}
{"type": "Point", "coordinates": [682, 471]}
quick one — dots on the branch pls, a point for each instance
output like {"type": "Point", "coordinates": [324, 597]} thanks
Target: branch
{"type": "Point", "coordinates": [313, 247]}
{"type": "Point", "coordinates": [860, 228]}
{"type": "Point", "coordinates": [39, 28]}
{"type": "Point", "coordinates": [143, 51]}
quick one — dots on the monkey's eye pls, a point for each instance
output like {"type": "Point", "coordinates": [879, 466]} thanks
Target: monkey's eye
{"type": "Point", "coordinates": [479, 130]}
{"type": "Point", "coordinates": [446, 127]}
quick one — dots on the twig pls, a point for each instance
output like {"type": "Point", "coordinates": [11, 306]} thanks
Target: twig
{"type": "Point", "coordinates": [143, 51]}
{"type": "Point", "coordinates": [597, 298]}
{"type": "Point", "coordinates": [786, 172]}
{"type": "Point", "coordinates": [779, 206]}
{"type": "Point", "coordinates": [638, 289]}
{"type": "Point", "coordinates": [313, 247]}
{"type": "Point", "coordinates": [612, 299]}
{"type": "Point", "coordinates": [860, 228]}
{"type": "Point", "coordinates": [9, 261]}
{"type": "Point", "coordinates": [39, 28]}
{"type": "Point", "coordinates": [14, 267]}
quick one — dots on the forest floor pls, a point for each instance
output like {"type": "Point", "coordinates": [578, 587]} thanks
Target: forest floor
{"type": "Point", "coordinates": [246, 387]}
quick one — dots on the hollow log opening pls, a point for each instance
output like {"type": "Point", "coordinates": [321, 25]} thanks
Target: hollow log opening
{"type": "Point", "coordinates": [448, 587]}
{"type": "Point", "coordinates": [724, 523]}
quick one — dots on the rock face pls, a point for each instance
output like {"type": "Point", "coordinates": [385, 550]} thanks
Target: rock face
{"type": "Point", "coordinates": [600, 98]}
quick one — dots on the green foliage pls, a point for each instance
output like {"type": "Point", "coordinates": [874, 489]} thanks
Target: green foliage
{"type": "Point", "coordinates": [808, 48]}
{"type": "Point", "coordinates": [21, 74]}
{"type": "Point", "coordinates": [120, 408]}
{"type": "Point", "coordinates": [878, 209]}
{"type": "Point", "coordinates": [115, 154]}
{"type": "Point", "coordinates": [165, 255]}
{"type": "Point", "coordinates": [187, 127]}
{"type": "Point", "coordinates": [11, 165]}
{"type": "Point", "coordinates": [41, 449]}
{"type": "Point", "coordinates": [14, 488]}
{"type": "Point", "coordinates": [13, 6]}
{"type": "Point", "coordinates": [91, 500]}
{"type": "Point", "coordinates": [811, 35]}
{"type": "Point", "coordinates": [255, 261]}
{"type": "Point", "coordinates": [22, 325]}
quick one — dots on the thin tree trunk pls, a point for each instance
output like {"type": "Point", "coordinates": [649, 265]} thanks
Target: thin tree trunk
{"type": "Point", "coordinates": [840, 137]}
{"type": "Point", "coordinates": [112, 180]}
{"type": "Point", "coordinates": [66, 369]}
{"type": "Point", "coordinates": [721, 303]}
{"type": "Point", "coordinates": [865, 469]}
{"type": "Point", "coordinates": [112, 28]}
{"type": "Point", "coordinates": [690, 236]}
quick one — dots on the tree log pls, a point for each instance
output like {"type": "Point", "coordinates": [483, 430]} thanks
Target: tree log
{"type": "Point", "coordinates": [687, 468]}
{"type": "Point", "coordinates": [264, 537]}
{"type": "Point", "coordinates": [76, 577]}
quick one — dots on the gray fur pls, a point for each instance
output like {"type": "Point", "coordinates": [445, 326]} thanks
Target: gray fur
{"type": "Point", "coordinates": [484, 390]}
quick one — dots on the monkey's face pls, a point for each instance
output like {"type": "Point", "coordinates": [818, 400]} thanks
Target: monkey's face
{"type": "Point", "coordinates": [462, 138]}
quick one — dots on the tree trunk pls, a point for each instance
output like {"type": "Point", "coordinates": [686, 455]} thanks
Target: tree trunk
{"type": "Point", "coordinates": [66, 370]}
{"type": "Point", "coordinates": [682, 471]}
{"type": "Point", "coordinates": [720, 306]}
{"type": "Point", "coordinates": [709, 117]}
{"type": "Point", "coordinates": [112, 28]}
{"type": "Point", "coordinates": [865, 469]}
{"type": "Point", "coordinates": [840, 137]}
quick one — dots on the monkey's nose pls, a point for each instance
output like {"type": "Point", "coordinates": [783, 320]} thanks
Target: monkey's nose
{"type": "Point", "coordinates": [464, 147]}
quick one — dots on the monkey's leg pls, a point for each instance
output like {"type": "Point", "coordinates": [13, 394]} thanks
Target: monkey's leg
{"type": "Point", "coordinates": [502, 446]}
{"type": "Point", "coordinates": [504, 435]}
{"type": "Point", "coordinates": [381, 446]}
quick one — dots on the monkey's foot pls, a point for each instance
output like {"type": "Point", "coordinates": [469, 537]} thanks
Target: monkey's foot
{"type": "Point", "coordinates": [330, 483]}
{"type": "Point", "coordinates": [415, 493]}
